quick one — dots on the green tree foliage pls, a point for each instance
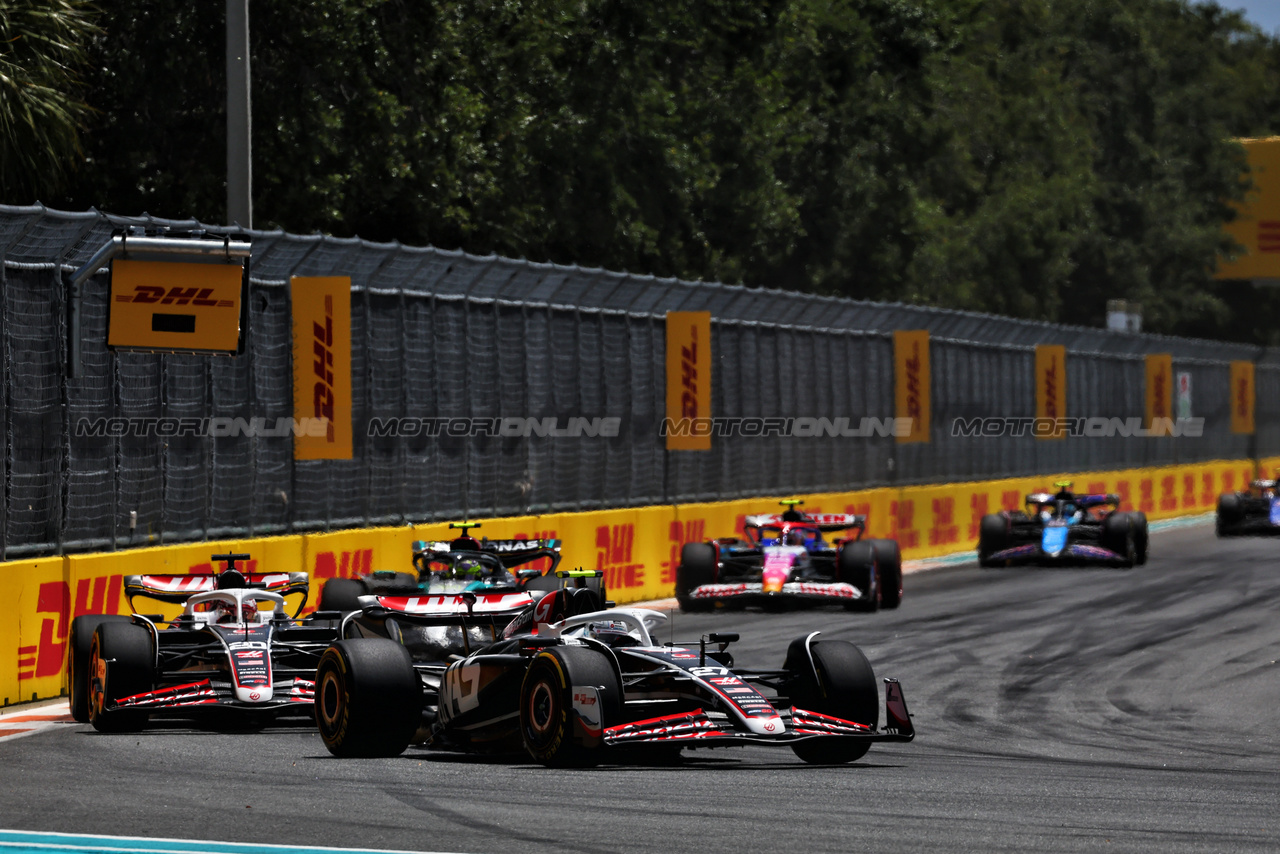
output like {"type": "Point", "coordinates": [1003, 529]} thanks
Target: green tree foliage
{"type": "Point", "coordinates": [42, 48]}
{"type": "Point", "coordinates": [1026, 157]}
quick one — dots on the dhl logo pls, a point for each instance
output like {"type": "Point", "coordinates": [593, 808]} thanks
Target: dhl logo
{"type": "Point", "coordinates": [322, 345]}
{"type": "Point", "coordinates": [1051, 388]}
{"type": "Point", "coordinates": [1268, 236]}
{"type": "Point", "coordinates": [1243, 409]}
{"type": "Point", "coordinates": [689, 375]}
{"type": "Point", "coordinates": [93, 596]}
{"type": "Point", "coordinates": [614, 556]}
{"type": "Point", "coordinates": [912, 365]}
{"type": "Point", "coordinates": [1160, 393]}
{"type": "Point", "coordinates": [154, 294]}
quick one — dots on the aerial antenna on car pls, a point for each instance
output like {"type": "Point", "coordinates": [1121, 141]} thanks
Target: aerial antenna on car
{"type": "Point", "coordinates": [791, 514]}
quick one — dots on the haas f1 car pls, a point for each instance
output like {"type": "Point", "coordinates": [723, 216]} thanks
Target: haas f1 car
{"type": "Point", "coordinates": [1064, 529]}
{"type": "Point", "coordinates": [233, 651]}
{"type": "Point", "coordinates": [452, 566]}
{"type": "Point", "coordinates": [570, 684]}
{"type": "Point", "coordinates": [1256, 511]}
{"type": "Point", "coordinates": [784, 558]}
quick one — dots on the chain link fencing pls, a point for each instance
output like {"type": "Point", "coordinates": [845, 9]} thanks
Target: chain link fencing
{"type": "Point", "coordinates": [439, 334]}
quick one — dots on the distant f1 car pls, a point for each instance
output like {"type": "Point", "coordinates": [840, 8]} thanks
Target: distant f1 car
{"type": "Point", "coordinates": [452, 566]}
{"type": "Point", "coordinates": [226, 653]}
{"type": "Point", "coordinates": [570, 684]}
{"type": "Point", "coordinates": [1254, 511]}
{"type": "Point", "coordinates": [784, 558]}
{"type": "Point", "coordinates": [1063, 529]}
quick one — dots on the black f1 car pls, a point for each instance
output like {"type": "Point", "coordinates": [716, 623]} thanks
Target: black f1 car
{"type": "Point", "coordinates": [452, 566]}
{"type": "Point", "coordinates": [784, 558]}
{"type": "Point", "coordinates": [1255, 511]}
{"type": "Point", "coordinates": [570, 684]}
{"type": "Point", "coordinates": [232, 651]}
{"type": "Point", "coordinates": [1064, 529]}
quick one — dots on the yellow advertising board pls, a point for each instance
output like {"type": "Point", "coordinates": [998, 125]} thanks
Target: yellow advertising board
{"type": "Point", "coordinates": [1257, 224]}
{"type": "Point", "coordinates": [1051, 387]}
{"type": "Point", "coordinates": [688, 423]}
{"type": "Point", "coordinates": [168, 305]}
{"type": "Point", "coordinates": [321, 367]}
{"type": "Point", "coordinates": [1243, 395]}
{"type": "Point", "coordinates": [1159, 390]}
{"type": "Point", "coordinates": [911, 382]}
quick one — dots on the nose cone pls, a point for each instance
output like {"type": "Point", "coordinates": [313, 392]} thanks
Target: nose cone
{"type": "Point", "coordinates": [253, 694]}
{"type": "Point", "coordinates": [773, 578]}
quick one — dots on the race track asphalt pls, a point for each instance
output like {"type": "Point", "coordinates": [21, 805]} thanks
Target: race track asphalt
{"type": "Point", "coordinates": [1056, 710]}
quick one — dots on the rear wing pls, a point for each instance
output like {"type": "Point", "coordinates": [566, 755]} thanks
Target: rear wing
{"type": "Point", "coordinates": [177, 588]}
{"type": "Point", "coordinates": [821, 521]}
{"type": "Point", "coordinates": [510, 553]}
{"type": "Point", "coordinates": [451, 606]}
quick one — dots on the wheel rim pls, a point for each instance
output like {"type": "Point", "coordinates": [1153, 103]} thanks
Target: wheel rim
{"type": "Point", "coordinates": [97, 681]}
{"type": "Point", "coordinates": [542, 708]}
{"type": "Point", "coordinates": [330, 704]}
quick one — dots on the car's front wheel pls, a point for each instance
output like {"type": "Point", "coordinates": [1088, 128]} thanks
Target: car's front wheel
{"type": "Point", "coordinates": [368, 698]}
{"type": "Point", "coordinates": [858, 567]}
{"type": "Point", "coordinates": [568, 697]}
{"type": "Point", "coordinates": [839, 682]}
{"type": "Point", "coordinates": [121, 664]}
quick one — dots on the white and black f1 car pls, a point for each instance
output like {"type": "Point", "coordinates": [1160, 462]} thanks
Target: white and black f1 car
{"type": "Point", "coordinates": [785, 559]}
{"type": "Point", "coordinates": [1064, 529]}
{"type": "Point", "coordinates": [233, 650]}
{"type": "Point", "coordinates": [1255, 511]}
{"type": "Point", "coordinates": [452, 566]}
{"type": "Point", "coordinates": [569, 684]}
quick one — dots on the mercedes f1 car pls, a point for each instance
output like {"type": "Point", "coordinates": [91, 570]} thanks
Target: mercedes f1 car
{"type": "Point", "coordinates": [232, 651]}
{"type": "Point", "coordinates": [1064, 529]}
{"type": "Point", "coordinates": [569, 684]}
{"type": "Point", "coordinates": [1255, 511]}
{"type": "Point", "coordinates": [452, 566]}
{"type": "Point", "coordinates": [784, 558]}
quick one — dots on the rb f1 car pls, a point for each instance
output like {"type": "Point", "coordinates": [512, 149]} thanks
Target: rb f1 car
{"type": "Point", "coordinates": [232, 651]}
{"type": "Point", "coordinates": [784, 558]}
{"type": "Point", "coordinates": [571, 685]}
{"type": "Point", "coordinates": [1256, 511]}
{"type": "Point", "coordinates": [1064, 529]}
{"type": "Point", "coordinates": [452, 566]}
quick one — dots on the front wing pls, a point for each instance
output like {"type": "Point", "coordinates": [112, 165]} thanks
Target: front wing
{"type": "Point", "coordinates": [753, 592]}
{"type": "Point", "coordinates": [289, 693]}
{"type": "Point", "coordinates": [1074, 553]}
{"type": "Point", "coordinates": [697, 728]}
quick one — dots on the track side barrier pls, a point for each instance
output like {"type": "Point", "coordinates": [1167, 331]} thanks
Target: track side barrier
{"type": "Point", "coordinates": [637, 549]}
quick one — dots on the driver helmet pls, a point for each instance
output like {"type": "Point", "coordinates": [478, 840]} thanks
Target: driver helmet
{"type": "Point", "coordinates": [227, 612]}
{"type": "Point", "coordinates": [795, 537]}
{"type": "Point", "coordinates": [468, 568]}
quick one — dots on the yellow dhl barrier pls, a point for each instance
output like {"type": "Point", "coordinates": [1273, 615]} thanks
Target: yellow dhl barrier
{"type": "Point", "coordinates": [637, 549]}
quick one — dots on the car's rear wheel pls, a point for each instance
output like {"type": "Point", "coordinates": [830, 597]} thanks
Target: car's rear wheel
{"type": "Point", "coordinates": [368, 698]}
{"type": "Point", "coordinates": [554, 732]}
{"type": "Point", "coordinates": [390, 584]}
{"type": "Point", "coordinates": [839, 682]}
{"type": "Point", "coordinates": [1118, 536]}
{"type": "Point", "coordinates": [79, 646]}
{"type": "Point", "coordinates": [697, 567]}
{"type": "Point", "coordinates": [342, 594]}
{"type": "Point", "coordinates": [121, 664]}
{"type": "Point", "coordinates": [1141, 536]}
{"type": "Point", "coordinates": [857, 566]}
{"type": "Point", "coordinates": [889, 559]}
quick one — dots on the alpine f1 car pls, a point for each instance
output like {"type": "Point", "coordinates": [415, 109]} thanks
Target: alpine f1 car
{"type": "Point", "coordinates": [452, 566]}
{"type": "Point", "coordinates": [233, 651]}
{"type": "Point", "coordinates": [570, 684]}
{"type": "Point", "coordinates": [1255, 511]}
{"type": "Point", "coordinates": [1064, 529]}
{"type": "Point", "coordinates": [784, 558]}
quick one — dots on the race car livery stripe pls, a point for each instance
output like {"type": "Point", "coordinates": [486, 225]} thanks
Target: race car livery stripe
{"type": "Point", "coordinates": [177, 695]}
{"type": "Point", "coordinates": [686, 725]}
{"type": "Point", "coordinates": [492, 603]}
{"type": "Point", "coordinates": [834, 590]}
{"type": "Point", "coordinates": [18, 841]}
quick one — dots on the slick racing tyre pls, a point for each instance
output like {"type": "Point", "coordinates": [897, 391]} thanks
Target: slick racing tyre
{"type": "Point", "coordinates": [78, 648]}
{"type": "Point", "coordinates": [121, 664]}
{"type": "Point", "coordinates": [1140, 537]}
{"type": "Point", "coordinates": [889, 559]}
{"type": "Point", "coordinates": [857, 566]}
{"type": "Point", "coordinates": [1230, 513]}
{"type": "Point", "coordinates": [1118, 536]}
{"type": "Point", "coordinates": [554, 731]}
{"type": "Point", "coordinates": [389, 584]}
{"type": "Point", "coordinates": [840, 683]}
{"type": "Point", "coordinates": [342, 594]}
{"type": "Point", "coordinates": [368, 698]}
{"type": "Point", "coordinates": [992, 535]}
{"type": "Point", "coordinates": [697, 567]}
